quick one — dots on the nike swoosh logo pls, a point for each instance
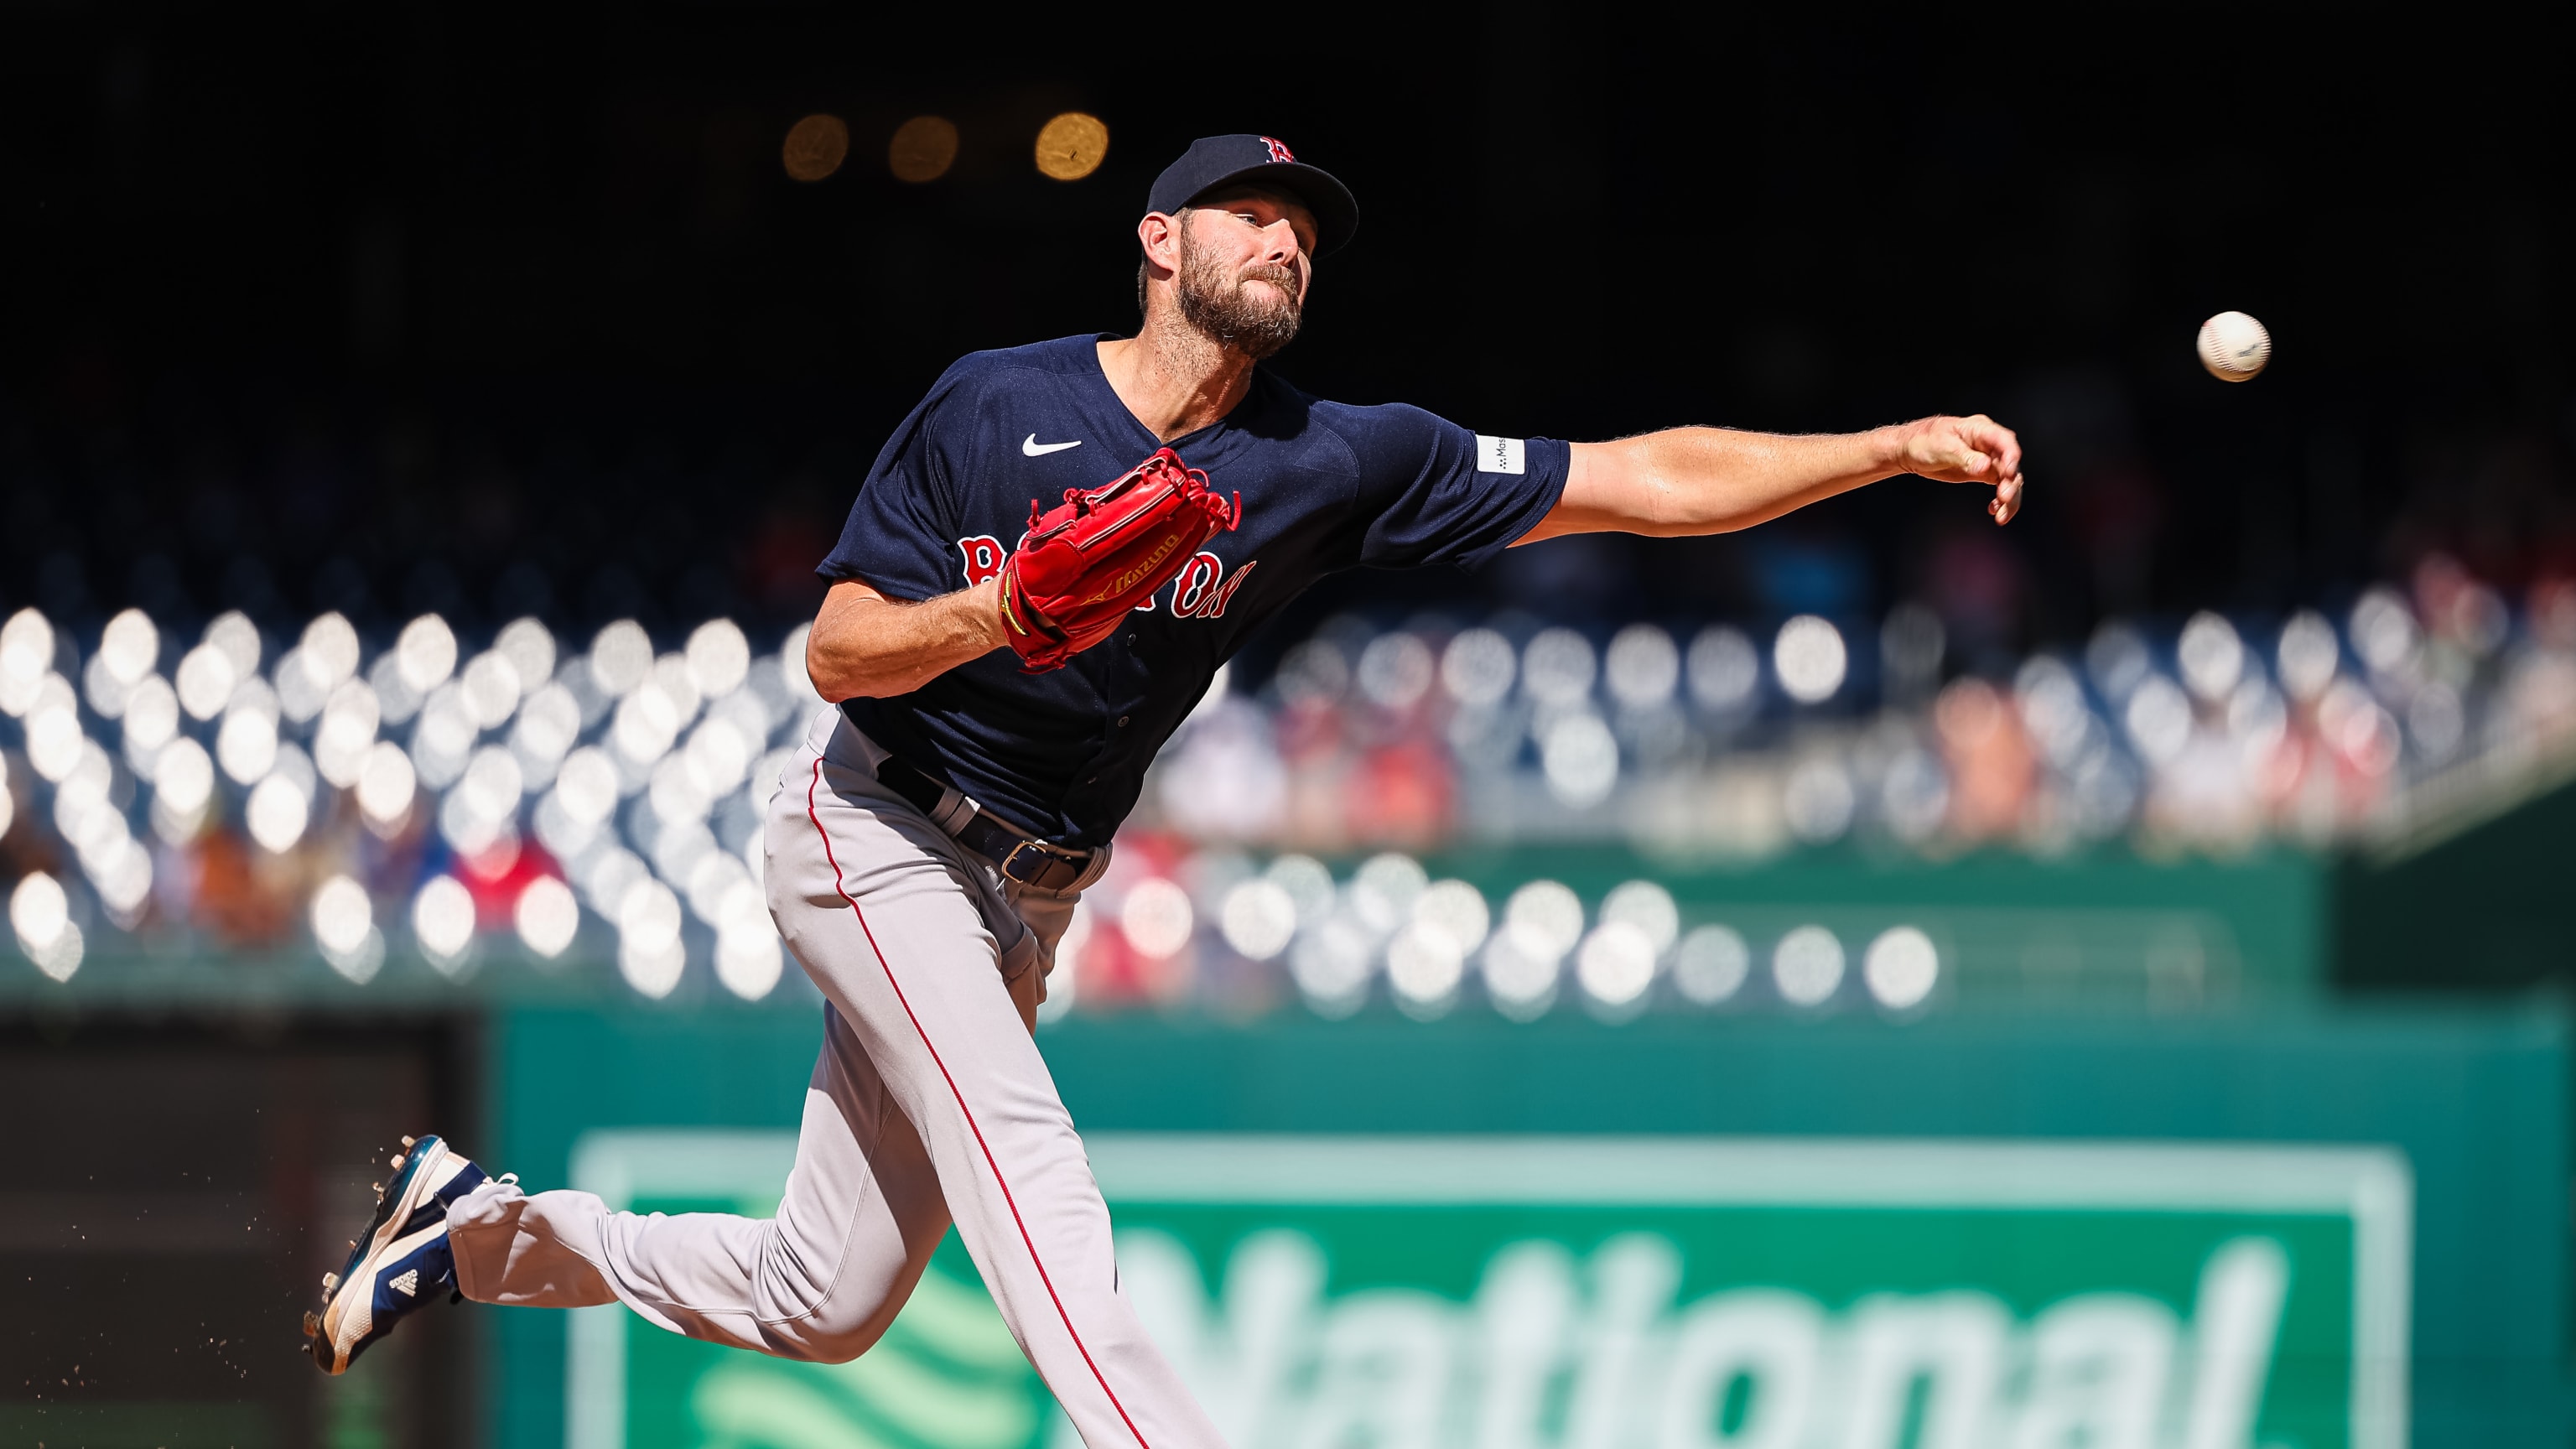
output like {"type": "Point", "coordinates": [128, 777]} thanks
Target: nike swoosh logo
{"type": "Point", "coordinates": [1035, 449]}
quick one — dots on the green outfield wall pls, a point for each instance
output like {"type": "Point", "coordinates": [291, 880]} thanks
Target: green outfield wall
{"type": "Point", "coordinates": [2480, 904]}
{"type": "Point", "coordinates": [2273, 1228]}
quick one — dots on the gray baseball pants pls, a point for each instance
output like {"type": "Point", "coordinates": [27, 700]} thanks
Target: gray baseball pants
{"type": "Point", "coordinates": [930, 1103]}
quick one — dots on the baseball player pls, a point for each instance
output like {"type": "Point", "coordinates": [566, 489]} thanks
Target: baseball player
{"type": "Point", "coordinates": [1004, 665]}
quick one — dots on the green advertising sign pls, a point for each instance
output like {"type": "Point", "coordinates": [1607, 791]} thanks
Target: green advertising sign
{"type": "Point", "coordinates": [1491, 1292]}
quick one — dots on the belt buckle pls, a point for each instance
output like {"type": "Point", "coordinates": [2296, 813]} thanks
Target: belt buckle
{"type": "Point", "coordinates": [1040, 857]}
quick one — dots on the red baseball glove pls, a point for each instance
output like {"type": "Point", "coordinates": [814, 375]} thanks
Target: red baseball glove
{"type": "Point", "coordinates": [1089, 560]}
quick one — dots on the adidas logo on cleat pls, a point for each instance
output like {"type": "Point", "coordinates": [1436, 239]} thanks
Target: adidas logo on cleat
{"type": "Point", "coordinates": [402, 1261]}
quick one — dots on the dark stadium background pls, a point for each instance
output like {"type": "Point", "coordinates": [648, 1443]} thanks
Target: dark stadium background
{"type": "Point", "coordinates": [415, 309]}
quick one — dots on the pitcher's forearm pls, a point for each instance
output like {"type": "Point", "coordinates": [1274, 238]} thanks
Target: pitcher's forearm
{"type": "Point", "coordinates": [1721, 480]}
{"type": "Point", "coordinates": [1688, 481]}
{"type": "Point", "coordinates": [865, 645]}
{"type": "Point", "coordinates": [1685, 481]}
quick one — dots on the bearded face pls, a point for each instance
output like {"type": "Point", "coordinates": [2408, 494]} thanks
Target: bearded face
{"type": "Point", "coordinates": [1220, 302]}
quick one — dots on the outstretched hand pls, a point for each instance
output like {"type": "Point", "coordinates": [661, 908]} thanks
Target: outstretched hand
{"type": "Point", "coordinates": [1966, 450]}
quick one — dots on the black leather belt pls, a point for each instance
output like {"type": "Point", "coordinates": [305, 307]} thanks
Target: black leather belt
{"type": "Point", "coordinates": [1030, 862]}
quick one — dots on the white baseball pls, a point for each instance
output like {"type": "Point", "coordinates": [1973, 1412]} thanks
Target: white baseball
{"type": "Point", "coordinates": [2234, 347]}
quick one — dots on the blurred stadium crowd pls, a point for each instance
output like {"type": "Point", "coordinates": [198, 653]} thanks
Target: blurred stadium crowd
{"type": "Point", "coordinates": [231, 793]}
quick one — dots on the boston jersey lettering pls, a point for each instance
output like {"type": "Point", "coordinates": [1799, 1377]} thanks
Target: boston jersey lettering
{"type": "Point", "coordinates": [1199, 591]}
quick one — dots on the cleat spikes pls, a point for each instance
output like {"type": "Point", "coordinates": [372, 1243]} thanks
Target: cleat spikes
{"type": "Point", "coordinates": [401, 1257]}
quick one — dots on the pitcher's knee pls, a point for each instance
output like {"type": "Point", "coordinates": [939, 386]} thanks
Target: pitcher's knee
{"type": "Point", "coordinates": [828, 1333]}
{"type": "Point", "coordinates": [843, 1348]}
{"type": "Point", "coordinates": [830, 1323]}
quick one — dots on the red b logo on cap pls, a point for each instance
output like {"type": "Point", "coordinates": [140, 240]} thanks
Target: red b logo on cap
{"type": "Point", "coordinates": [1278, 149]}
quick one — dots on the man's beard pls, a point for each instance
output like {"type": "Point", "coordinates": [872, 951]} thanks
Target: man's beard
{"type": "Point", "coordinates": [1221, 308]}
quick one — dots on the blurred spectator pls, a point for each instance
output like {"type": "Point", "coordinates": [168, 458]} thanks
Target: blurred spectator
{"type": "Point", "coordinates": [1224, 778]}
{"type": "Point", "coordinates": [1989, 759]}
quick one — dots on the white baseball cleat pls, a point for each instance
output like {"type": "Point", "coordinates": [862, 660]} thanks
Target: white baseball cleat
{"type": "Point", "coordinates": [403, 1260]}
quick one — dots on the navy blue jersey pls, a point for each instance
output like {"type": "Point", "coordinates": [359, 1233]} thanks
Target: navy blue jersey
{"type": "Point", "coordinates": [1325, 486]}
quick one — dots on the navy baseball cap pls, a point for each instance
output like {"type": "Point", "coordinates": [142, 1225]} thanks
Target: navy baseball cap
{"type": "Point", "coordinates": [1214, 161]}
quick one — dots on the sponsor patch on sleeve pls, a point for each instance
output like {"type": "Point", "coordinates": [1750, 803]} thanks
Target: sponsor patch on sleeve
{"type": "Point", "coordinates": [1500, 455]}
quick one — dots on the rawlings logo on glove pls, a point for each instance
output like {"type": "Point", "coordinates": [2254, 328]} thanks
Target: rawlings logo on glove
{"type": "Point", "coordinates": [1084, 564]}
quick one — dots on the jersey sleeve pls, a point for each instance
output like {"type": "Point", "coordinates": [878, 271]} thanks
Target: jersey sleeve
{"type": "Point", "coordinates": [1432, 492]}
{"type": "Point", "coordinates": [902, 535]}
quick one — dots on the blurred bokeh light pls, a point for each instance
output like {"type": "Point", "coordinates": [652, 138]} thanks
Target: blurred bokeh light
{"type": "Point", "coordinates": [922, 149]}
{"type": "Point", "coordinates": [815, 147]}
{"type": "Point", "coordinates": [1072, 146]}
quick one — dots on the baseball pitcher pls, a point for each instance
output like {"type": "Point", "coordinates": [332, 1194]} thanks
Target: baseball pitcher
{"type": "Point", "coordinates": [1042, 572]}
